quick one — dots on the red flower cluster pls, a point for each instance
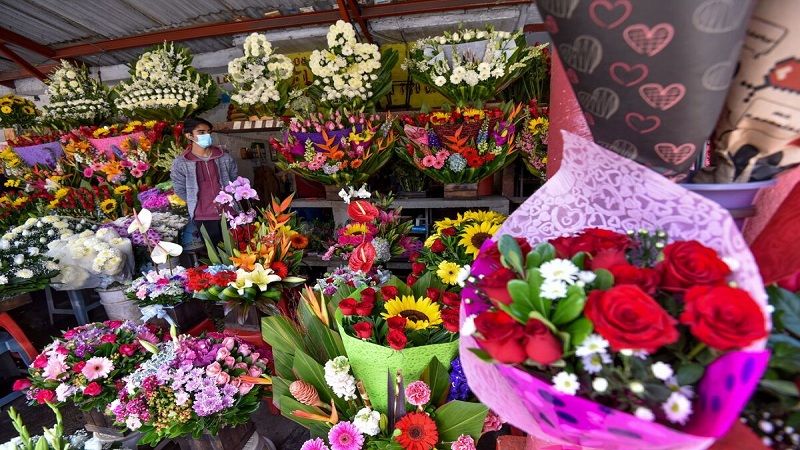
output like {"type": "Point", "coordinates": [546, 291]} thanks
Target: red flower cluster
{"type": "Point", "coordinates": [451, 304]}
{"type": "Point", "coordinates": [509, 342]}
{"type": "Point", "coordinates": [199, 279]}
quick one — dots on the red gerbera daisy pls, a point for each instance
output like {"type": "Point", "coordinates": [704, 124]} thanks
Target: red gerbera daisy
{"type": "Point", "coordinates": [417, 432]}
{"type": "Point", "coordinates": [280, 268]}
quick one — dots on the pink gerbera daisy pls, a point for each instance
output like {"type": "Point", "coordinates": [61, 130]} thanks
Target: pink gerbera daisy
{"type": "Point", "coordinates": [314, 444]}
{"type": "Point", "coordinates": [345, 436]}
{"type": "Point", "coordinates": [97, 367]}
{"type": "Point", "coordinates": [429, 161]}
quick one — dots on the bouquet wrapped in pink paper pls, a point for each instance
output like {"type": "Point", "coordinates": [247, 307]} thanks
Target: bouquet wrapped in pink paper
{"type": "Point", "coordinates": [588, 336]}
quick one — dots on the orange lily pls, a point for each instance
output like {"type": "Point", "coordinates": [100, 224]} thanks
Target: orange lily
{"type": "Point", "coordinates": [245, 261]}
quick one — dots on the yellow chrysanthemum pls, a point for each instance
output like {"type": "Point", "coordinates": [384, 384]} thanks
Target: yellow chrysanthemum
{"type": "Point", "coordinates": [5, 109]}
{"type": "Point", "coordinates": [108, 206]}
{"type": "Point", "coordinates": [448, 272]}
{"type": "Point", "coordinates": [420, 313]}
{"type": "Point", "coordinates": [120, 190]}
{"type": "Point", "coordinates": [61, 193]}
{"type": "Point", "coordinates": [474, 235]}
{"type": "Point", "coordinates": [538, 125]}
{"type": "Point", "coordinates": [174, 200]}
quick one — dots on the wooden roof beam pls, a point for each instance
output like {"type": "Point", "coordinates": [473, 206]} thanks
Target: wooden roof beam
{"type": "Point", "coordinates": [8, 53]}
{"type": "Point", "coordinates": [10, 37]}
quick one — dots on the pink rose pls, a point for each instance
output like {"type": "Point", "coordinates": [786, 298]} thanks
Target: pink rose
{"type": "Point", "coordinates": [235, 382]}
{"type": "Point", "coordinates": [223, 353]}
{"type": "Point", "coordinates": [230, 361]}
{"type": "Point", "coordinates": [244, 388]}
{"type": "Point", "coordinates": [254, 372]}
{"type": "Point", "coordinates": [214, 369]}
{"type": "Point", "coordinates": [254, 356]}
{"type": "Point", "coordinates": [223, 378]}
{"type": "Point", "coordinates": [241, 365]}
{"type": "Point", "coordinates": [229, 343]}
{"type": "Point", "coordinates": [244, 349]}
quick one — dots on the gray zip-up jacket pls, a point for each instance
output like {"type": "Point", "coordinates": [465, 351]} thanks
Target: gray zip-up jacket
{"type": "Point", "coordinates": [184, 177]}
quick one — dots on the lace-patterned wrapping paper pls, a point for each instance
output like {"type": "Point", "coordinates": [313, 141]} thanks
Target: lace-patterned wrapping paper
{"type": "Point", "coordinates": [598, 188]}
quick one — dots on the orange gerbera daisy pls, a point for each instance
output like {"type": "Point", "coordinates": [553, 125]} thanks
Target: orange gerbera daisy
{"type": "Point", "coordinates": [299, 241]}
{"type": "Point", "coordinates": [417, 432]}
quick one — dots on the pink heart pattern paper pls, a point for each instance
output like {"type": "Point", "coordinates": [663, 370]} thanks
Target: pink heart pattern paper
{"type": "Point", "coordinates": [649, 73]}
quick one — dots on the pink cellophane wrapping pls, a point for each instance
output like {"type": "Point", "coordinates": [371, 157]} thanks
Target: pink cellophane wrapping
{"type": "Point", "coordinates": [597, 188]}
{"type": "Point", "coordinates": [106, 145]}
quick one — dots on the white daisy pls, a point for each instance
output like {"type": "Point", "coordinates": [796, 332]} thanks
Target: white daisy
{"type": "Point", "coordinates": [559, 270]}
{"type": "Point", "coordinates": [644, 414]}
{"type": "Point", "coordinates": [594, 343]}
{"type": "Point", "coordinates": [600, 384]}
{"type": "Point", "coordinates": [553, 289]}
{"type": "Point", "coordinates": [594, 363]}
{"type": "Point", "coordinates": [566, 383]}
{"type": "Point", "coordinates": [662, 371]}
{"type": "Point", "coordinates": [587, 276]}
{"type": "Point", "coordinates": [677, 408]}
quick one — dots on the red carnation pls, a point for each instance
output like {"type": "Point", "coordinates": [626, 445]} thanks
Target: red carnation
{"type": "Point", "coordinates": [389, 292]}
{"type": "Point", "coordinates": [397, 339]}
{"type": "Point", "coordinates": [396, 322]}
{"type": "Point", "coordinates": [21, 384]}
{"type": "Point", "coordinates": [363, 330]}
{"type": "Point", "coordinates": [438, 246]}
{"type": "Point", "coordinates": [44, 396]}
{"type": "Point", "coordinates": [40, 362]}
{"type": "Point", "coordinates": [280, 268]}
{"type": "Point", "coordinates": [93, 389]}
{"type": "Point", "coordinates": [348, 306]}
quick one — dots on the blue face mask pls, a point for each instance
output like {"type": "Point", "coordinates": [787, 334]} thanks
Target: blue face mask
{"type": "Point", "coordinates": [204, 140]}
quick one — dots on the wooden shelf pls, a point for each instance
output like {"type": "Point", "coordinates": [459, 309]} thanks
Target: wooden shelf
{"type": "Point", "coordinates": [249, 126]}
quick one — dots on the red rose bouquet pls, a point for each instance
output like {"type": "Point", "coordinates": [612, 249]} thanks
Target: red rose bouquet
{"type": "Point", "coordinates": [86, 364]}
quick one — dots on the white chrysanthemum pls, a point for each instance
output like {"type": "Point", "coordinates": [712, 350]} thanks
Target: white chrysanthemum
{"type": "Point", "coordinates": [559, 270]}
{"type": "Point", "coordinates": [553, 289]}
{"type": "Point", "coordinates": [24, 273]}
{"type": "Point", "coordinates": [662, 371]}
{"type": "Point", "coordinates": [566, 383]}
{"type": "Point", "coordinates": [600, 384]}
{"type": "Point", "coordinates": [677, 408]}
{"type": "Point", "coordinates": [368, 421]}
{"type": "Point", "coordinates": [594, 343]}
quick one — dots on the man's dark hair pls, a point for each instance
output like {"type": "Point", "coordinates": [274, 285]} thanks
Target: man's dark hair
{"type": "Point", "coordinates": [193, 122]}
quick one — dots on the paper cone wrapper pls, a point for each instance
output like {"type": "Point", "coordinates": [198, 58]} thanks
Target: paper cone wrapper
{"type": "Point", "coordinates": [107, 145]}
{"type": "Point", "coordinates": [42, 154]}
{"type": "Point", "coordinates": [598, 188]}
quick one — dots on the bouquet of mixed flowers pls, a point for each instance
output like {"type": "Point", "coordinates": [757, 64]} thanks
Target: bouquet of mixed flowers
{"type": "Point", "coordinates": [337, 149]}
{"type": "Point", "coordinates": [91, 259]}
{"type": "Point", "coordinates": [165, 86]}
{"type": "Point", "coordinates": [461, 146]}
{"type": "Point", "coordinates": [162, 198]}
{"type": "Point", "coordinates": [166, 287]}
{"type": "Point", "coordinates": [350, 75]}
{"type": "Point", "coordinates": [98, 203]}
{"type": "Point", "coordinates": [532, 140]}
{"type": "Point", "coordinates": [332, 282]}
{"type": "Point", "coordinates": [353, 394]}
{"type": "Point", "coordinates": [17, 111]}
{"type": "Point", "coordinates": [191, 386]}
{"type": "Point", "coordinates": [374, 234]}
{"type": "Point", "coordinates": [535, 85]}
{"type": "Point", "coordinates": [75, 98]}
{"type": "Point", "coordinates": [453, 246]}
{"type": "Point", "coordinates": [86, 364]}
{"type": "Point", "coordinates": [469, 67]}
{"type": "Point", "coordinates": [261, 79]}
{"type": "Point", "coordinates": [11, 165]}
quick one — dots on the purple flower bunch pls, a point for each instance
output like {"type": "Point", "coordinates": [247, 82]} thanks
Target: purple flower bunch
{"type": "Point", "coordinates": [230, 200]}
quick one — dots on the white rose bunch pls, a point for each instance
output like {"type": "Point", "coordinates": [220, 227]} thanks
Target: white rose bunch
{"type": "Point", "coordinates": [261, 78]}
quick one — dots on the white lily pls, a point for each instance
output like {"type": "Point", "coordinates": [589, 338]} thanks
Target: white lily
{"type": "Point", "coordinates": [242, 281]}
{"type": "Point", "coordinates": [262, 277]}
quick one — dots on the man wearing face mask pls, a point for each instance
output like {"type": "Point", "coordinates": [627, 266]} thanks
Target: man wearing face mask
{"type": "Point", "coordinates": [198, 174]}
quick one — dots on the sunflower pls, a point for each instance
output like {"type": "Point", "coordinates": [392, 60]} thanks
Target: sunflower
{"type": "Point", "coordinates": [474, 236]}
{"type": "Point", "coordinates": [27, 109]}
{"type": "Point", "coordinates": [439, 117]}
{"type": "Point", "coordinates": [483, 216]}
{"type": "Point", "coordinates": [417, 432]}
{"type": "Point", "coordinates": [6, 101]}
{"type": "Point", "coordinates": [5, 109]}
{"type": "Point", "coordinates": [538, 125]}
{"type": "Point", "coordinates": [299, 241]}
{"type": "Point", "coordinates": [108, 206]}
{"type": "Point", "coordinates": [448, 272]}
{"type": "Point", "coordinates": [120, 190]}
{"type": "Point", "coordinates": [420, 313]}
{"type": "Point", "coordinates": [473, 114]}
{"type": "Point", "coordinates": [355, 229]}
{"type": "Point", "coordinates": [447, 223]}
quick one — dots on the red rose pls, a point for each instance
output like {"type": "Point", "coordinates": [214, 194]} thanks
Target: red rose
{"type": "Point", "coordinates": [450, 319]}
{"type": "Point", "coordinates": [449, 231]}
{"type": "Point", "coordinates": [348, 306]}
{"type": "Point", "coordinates": [396, 322]}
{"type": "Point", "coordinates": [411, 279]}
{"type": "Point", "coordinates": [501, 336]}
{"type": "Point", "coordinates": [451, 299]}
{"type": "Point", "coordinates": [40, 362]}
{"type": "Point", "coordinates": [362, 257]}
{"type": "Point", "coordinates": [540, 344]}
{"type": "Point", "coordinates": [92, 389]}
{"type": "Point", "coordinates": [21, 384]}
{"type": "Point", "coordinates": [492, 252]}
{"type": "Point", "coordinates": [78, 366]}
{"type": "Point", "coordinates": [591, 241]}
{"type": "Point", "coordinates": [496, 286]}
{"type": "Point", "coordinates": [417, 268]}
{"type": "Point", "coordinates": [723, 317]}
{"type": "Point", "coordinates": [432, 293]}
{"type": "Point", "coordinates": [397, 339]}
{"type": "Point", "coordinates": [363, 330]}
{"type": "Point", "coordinates": [109, 338]}
{"type": "Point", "coordinates": [113, 324]}
{"type": "Point", "coordinates": [368, 294]}
{"type": "Point", "coordinates": [438, 246]}
{"type": "Point", "coordinates": [645, 278]}
{"type": "Point", "coordinates": [389, 292]}
{"type": "Point", "coordinates": [44, 396]}
{"type": "Point", "coordinates": [364, 307]}
{"type": "Point", "coordinates": [606, 259]}
{"type": "Point", "coordinates": [362, 211]}
{"type": "Point", "coordinates": [690, 263]}
{"type": "Point", "coordinates": [127, 349]}
{"type": "Point", "coordinates": [630, 319]}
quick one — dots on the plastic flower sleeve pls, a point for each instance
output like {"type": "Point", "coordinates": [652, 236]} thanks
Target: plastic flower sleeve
{"type": "Point", "coordinates": [598, 188]}
{"type": "Point", "coordinates": [44, 154]}
{"type": "Point", "coordinates": [110, 145]}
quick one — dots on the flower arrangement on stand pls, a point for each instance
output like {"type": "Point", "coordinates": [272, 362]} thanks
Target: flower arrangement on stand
{"type": "Point", "coordinates": [165, 86]}
{"type": "Point", "coordinates": [450, 250]}
{"type": "Point", "coordinates": [470, 66]}
{"type": "Point", "coordinates": [532, 140]}
{"type": "Point", "coordinates": [75, 98]}
{"type": "Point", "coordinates": [164, 287]}
{"type": "Point", "coordinates": [373, 235]}
{"type": "Point", "coordinates": [350, 75]}
{"type": "Point", "coordinates": [86, 364]}
{"type": "Point", "coordinates": [463, 146]}
{"type": "Point", "coordinates": [339, 149]}
{"type": "Point", "coordinates": [17, 112]}
{"type": "Point", "coordinates": [190, 386]}
{"type": "Point", "coordinates": [261, 78]}
{"type": "Point", "coordinates": [347, 402]}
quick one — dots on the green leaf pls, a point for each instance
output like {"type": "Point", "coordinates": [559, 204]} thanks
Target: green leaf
{"type": "Point", "coordinates": [437, 378]}
{"type": "Point", "coordinates": [280, 388]}
{"type": "Point", "coordinates": [520, 292]}
{"type": "Point", "coordinates": [310, 371]}
{"type": "Point", "coordinates": [482, 355]}
{"type": "Point", "coordinates": [579, 329]}
{"type": "Point", "coordinates": [579, 260]}
{"type": "Point", "coordinates": [326, 343]}
{"type": "Point", "coordinates": [604, 279]}
{"type": "Point", "coordinates": [456, 418]}
{"type": "Point", "coordinates": [283, 363]}
{"type": "Point", "coordinates": [210, 249]}
{"type": "Point", "coordinates": [546, 251]}
{"type": "Point", "coordinates": [689, 374]}
{"type": "Point", "coordinates": [787, 309]}
{"type": "Point", "coordinates": [280, 333]}
{"type": "Point", "coordinates": [571, 307]}
{"type": "Point", "coordinates": [533, 261]}
{"type": "Point", "coordinates": [781, 387]}
{"type": "Point", "coordinates": [512, 254]}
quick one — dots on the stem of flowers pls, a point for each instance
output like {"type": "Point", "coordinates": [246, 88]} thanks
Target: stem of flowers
{"type": "Point", "coordinates": [696, 351]}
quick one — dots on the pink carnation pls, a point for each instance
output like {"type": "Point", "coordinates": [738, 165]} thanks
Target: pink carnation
{"type": "Point", "coordinates": [418, 393]}
{"type": "Point", "coordinates": [493, 422]}
{"type": "Point", "coordinates": [464, 442]}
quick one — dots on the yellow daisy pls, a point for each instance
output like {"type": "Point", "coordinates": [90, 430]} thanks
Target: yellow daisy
{"type": "Point", "coordinates": [5, 109]}
{"type": "Point", "coordinates": [474, 235]}
{"type": "Point", "coordinates": [448, 272]}
{"type": "Point", "coordinates": [108, 206]}
{"type": "Point", "coordinates": [420, 313]}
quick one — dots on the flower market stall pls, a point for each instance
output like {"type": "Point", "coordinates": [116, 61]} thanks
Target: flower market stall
{"type": "Point", "coordinates": [399, 225]}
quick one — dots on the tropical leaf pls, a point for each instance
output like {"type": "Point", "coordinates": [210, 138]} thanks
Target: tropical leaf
{"type": "Point", "coordinates": [456, 418]}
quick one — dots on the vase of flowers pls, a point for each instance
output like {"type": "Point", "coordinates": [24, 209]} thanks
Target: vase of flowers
{"type": "Point", "coordinates": [117, 304]}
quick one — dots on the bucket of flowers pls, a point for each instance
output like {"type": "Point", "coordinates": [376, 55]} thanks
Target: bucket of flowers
{"type": "Point", "coordinates": [194, 388]}
{"type": "Point", "coordinates": [319, 384]}
{"type": "Point", "coordinates": [336, 149]}
{"type": "Point", "coordinates": [85, 365]}
{"type": "Point", "coordinates": [252, 268]}
{"type": "Point", "coordinates": [532, 140]}
{"type": "Point", "coordinates": [75, 98]}
{"type": "Point", "coordinates": [333, 281]}
{"type": "Point", "coordinates": [589, 336]}
{"type": "Point", "coordinates": [39, 149]}
{"type": "Point", "coordinates": [261, 78]}
{"type": "Point", "coordinates": [449, 251]}
{"type": "Point", "coordinates": [462, 147]}
{"type": "Point", "coordinates": [162, 294]}
{"type": "Point", "coordinates": [17, 112]}
{"type": "Point", "coordinates": [375, 232]}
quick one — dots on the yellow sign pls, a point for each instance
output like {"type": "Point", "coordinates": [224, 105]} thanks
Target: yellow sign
{"type": "Point", "coordinates": [401, 82]}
